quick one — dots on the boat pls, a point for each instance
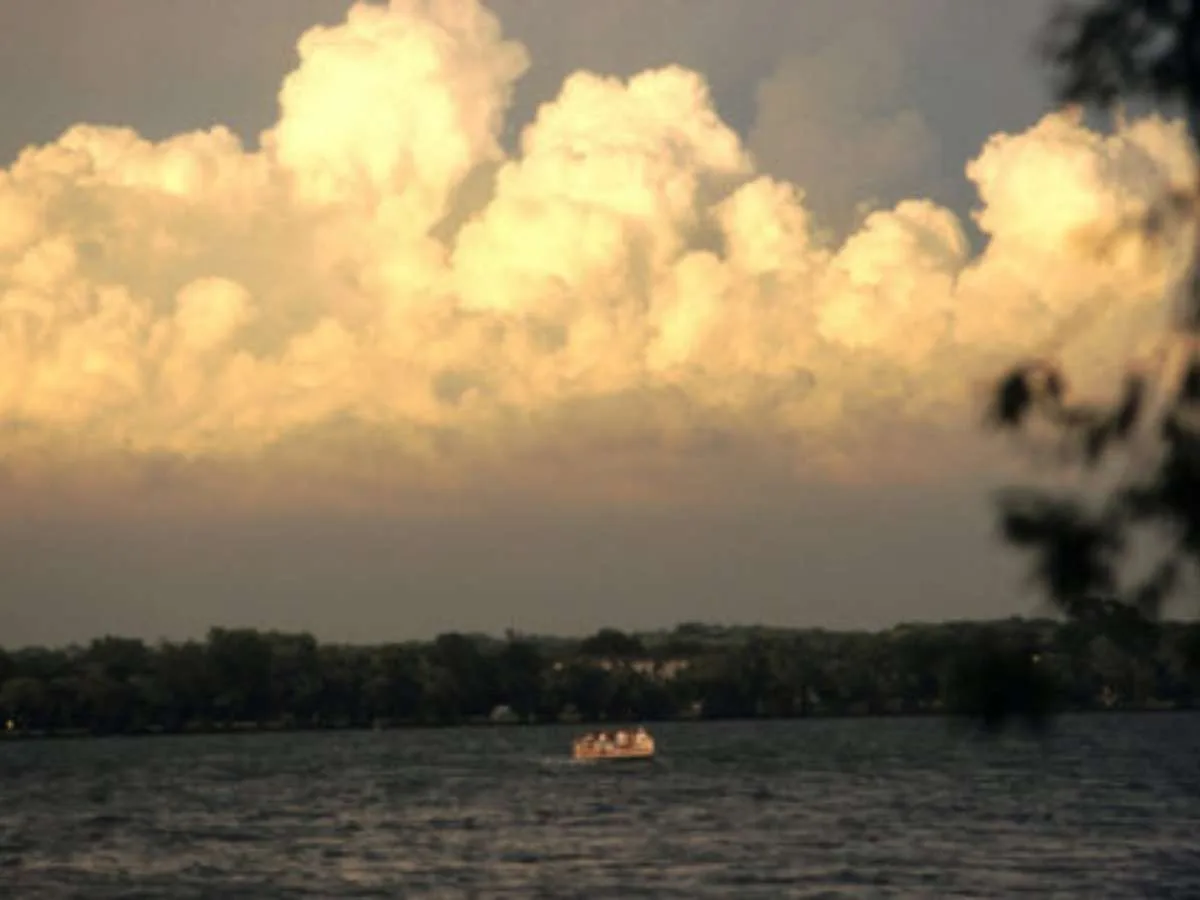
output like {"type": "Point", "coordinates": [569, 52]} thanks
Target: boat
{"type": "Point", "coordinates": [620, 745]}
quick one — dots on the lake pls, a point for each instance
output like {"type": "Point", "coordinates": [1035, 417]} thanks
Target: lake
{"type": "Point", "coordinates": [1105, 806]}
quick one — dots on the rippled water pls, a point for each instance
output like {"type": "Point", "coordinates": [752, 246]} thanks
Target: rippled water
{"type": "Point", "coordinates": [1108, 806]}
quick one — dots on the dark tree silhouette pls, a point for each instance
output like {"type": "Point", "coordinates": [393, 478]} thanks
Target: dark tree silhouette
{"type": "Point", "coordinates": [1103, 53]}
{"type": "Point", "coordinates": [240, 679]}
{"type": "Point", "coordinates": [611, 642]}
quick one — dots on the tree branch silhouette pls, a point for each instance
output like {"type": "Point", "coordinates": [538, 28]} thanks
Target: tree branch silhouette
{"type": "Point", "coordinates": [1103, 54]}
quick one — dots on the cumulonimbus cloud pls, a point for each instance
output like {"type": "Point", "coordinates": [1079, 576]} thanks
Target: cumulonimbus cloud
{"type": "Point", "coordinates": [380, 270]}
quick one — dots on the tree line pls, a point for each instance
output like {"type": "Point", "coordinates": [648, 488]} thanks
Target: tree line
{"type": "Point", "coordinates": [249, 679]}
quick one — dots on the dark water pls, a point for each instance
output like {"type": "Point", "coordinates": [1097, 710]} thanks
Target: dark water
{"type": "Point", "coordinates": [1108, 806]}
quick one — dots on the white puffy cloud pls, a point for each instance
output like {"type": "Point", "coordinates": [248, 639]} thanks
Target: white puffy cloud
{"type": "Point", "coordinates": [380, 289]}
{"type": "Point", "coordinates": [395, 106]}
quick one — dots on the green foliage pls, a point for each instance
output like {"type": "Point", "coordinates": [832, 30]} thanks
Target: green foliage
{"type": "Point", "coordinates": [1108, 656]}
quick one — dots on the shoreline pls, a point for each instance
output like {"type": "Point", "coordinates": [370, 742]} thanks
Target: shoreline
{"type": "Point", "coordinates": [248, 729]}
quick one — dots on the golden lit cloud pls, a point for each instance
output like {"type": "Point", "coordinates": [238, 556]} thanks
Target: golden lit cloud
{"type": "Point", "coordinates": [381, 291]}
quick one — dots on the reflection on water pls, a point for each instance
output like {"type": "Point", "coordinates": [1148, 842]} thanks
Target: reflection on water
{"type": "Point", "coordinates": [1108, 806]}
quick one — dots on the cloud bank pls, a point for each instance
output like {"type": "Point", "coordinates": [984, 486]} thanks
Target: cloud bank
{"type": "Point", "coordinates": [379, 294]}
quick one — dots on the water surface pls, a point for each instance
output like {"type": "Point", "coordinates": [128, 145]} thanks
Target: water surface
{"type": "Point", "coordinates": [1108, 806]}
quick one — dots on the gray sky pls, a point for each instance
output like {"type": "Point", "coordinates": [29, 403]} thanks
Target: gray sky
{"type": "Point", "coordinates": [961, 71]}
{"type": "Point", "coordinates": [871, 101]}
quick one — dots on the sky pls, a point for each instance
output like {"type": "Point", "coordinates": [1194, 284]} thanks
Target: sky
{"type": "Point", "coordinates": [384, 320]}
